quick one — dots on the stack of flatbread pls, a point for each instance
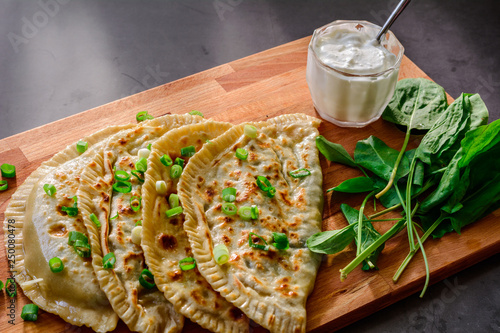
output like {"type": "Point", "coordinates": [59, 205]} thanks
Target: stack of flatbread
{"type": "Point", "coordinates": [137, 239]}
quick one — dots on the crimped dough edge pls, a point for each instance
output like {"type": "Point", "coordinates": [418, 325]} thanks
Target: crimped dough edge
{"type": "Point", "coordinates": [274, 318]}
{"type": "Point", "coordinates": [16, 210]}
{"type": "Point", "coordinates": [107, 278]}
{"type": "Point", "coordinates": [189, 308]}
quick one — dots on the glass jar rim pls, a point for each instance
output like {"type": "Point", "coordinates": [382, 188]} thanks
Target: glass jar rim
{"type": "Point", "coordinates": [396, 65]}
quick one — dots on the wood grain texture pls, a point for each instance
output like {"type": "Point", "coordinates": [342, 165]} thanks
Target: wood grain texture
{"type": "Point", "coordinates": [255, 88]}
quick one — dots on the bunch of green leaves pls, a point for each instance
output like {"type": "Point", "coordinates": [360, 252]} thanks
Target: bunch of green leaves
{"type": "Point", "coordinates": [453, 162]}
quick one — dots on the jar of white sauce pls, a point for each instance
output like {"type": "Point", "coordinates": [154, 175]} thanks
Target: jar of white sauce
{"type": "Point", "coordinates": [350, 75]}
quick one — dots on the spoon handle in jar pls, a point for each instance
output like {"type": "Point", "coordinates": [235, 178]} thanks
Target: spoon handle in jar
{"type": "Point", "coordinates": [394, 15]}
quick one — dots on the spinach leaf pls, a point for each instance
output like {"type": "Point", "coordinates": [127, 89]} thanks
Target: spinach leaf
{"type": "Point", "coordinates": [355, 185]}
{"type": "Point", "coordinates": [479, 140]}
{"type": "Point", "coordinates": [446, 186]}
{"type": "Point", "coordinates": [476, 205]}
{"type": "Point", "coordinates": [373, 154]}
{"type": "Point", "coordinates": [417, 103]}
{"type": "Point", "coordinates": [439, 145]}
{"type": "Point", "coordinates": [334, 152]}
{"type": "Point", "coordinates": [479, 115]}
{"type": "Point", "coordinates": [331, 241]}
{"type": "Point", "coordinates": [368, 235]}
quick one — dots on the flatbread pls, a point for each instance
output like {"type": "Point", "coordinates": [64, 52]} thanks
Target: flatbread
{"type": "Point", "coordinates": [143, 310]}
{"type": "Point", "coordinates": [270, 287]}
{"type": "Point", "coordinates": [41, 232]}
{"type": "Point", "coordinates": [165, 243]}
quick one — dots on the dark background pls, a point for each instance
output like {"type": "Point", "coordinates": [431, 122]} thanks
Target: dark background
{"type": "Point", "coordinates": [61, 58]}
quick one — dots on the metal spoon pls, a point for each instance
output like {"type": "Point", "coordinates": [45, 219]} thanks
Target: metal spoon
{"type": "Point", "coordinates": [394, 15]}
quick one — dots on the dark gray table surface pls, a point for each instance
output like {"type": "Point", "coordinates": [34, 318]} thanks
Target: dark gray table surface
{"type": "Point", "coordinates": [58, 58]}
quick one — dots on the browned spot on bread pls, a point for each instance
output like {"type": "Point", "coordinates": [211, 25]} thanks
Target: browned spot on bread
{"type": "Point", "coordinates": [122, 141]}
{"type": "Point", "coordinates": [58, 230]}
{"type": "Point", "coordinates": [175, 275]}
{"type": "Point", "coordinates": [226, 239]}
{"type": "Point", "coordinates": [129, 259]}
{"type": "Point", "coordinates": [201, 180]}
{"type": "Point", "coordinates": [105, 197]}
{"type": "Point", "coordinates": [125, 210]}
{"type": "Point", "coordinates": [228, 219]}
{"type": "Point", "coordinates": [92, 164]}
{"type": "Point", "coordinates": [284, 197]}
{"type": "Point", "coordinates": [168, 242]}
{"type": "Point", "coordinates": [198, 297]}
{"type": "Point", "coordinates": [234, 257]}
{"type": "Point", "coordinates": [210, 193]}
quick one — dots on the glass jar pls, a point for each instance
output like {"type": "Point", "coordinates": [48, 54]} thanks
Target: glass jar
{"type": "Point", "coordinates": [345, 97]}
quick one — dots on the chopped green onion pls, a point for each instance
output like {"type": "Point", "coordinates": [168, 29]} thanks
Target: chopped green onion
{"type": "Point", "coordinates": [146, 279]}
{"type": "Point", "coordinates": [300, 173]}
{"type": "Point", "coordinates": [73, 236]}
{"type": "Point", "coordinates": [196, 113]}
{"type": "Point", "coordinates": [122, 176]}
{"type": "Point", "coordinates": [71, 211]}
{"type": "Point", "coordinates": [56, 265]}
{"type": "Point", "coordinates": [175, 171]}
{"type": "Point", "coordinates": [109, 260]}
{"type": "Point", "coordinates": [144, 153]}
{"type": "Point", "coordinates": [143, 115]}
{"type": "Point", "coordinates": [174, 211]}
{"type": "Point", "coordinates": [137, 175]}
{"type": "Point", "coordinates": [49, 189]}
{"type": "Point", "coordinates": [188, 151]}
{"type": "Point", "coordinates": [173, 200]}
{"type": "Point", "coordinates": [221, 254]}
{"type": "Point", "coordinates": [229, 194]}
{"type": "Point", "coordinates": [229, 208]}
{"type": "Point", "coordinates": [138, 223]}
{"type": "Point", "coordinates": [166, 160]}
{"type": "Point", "coordinates": [8, 288]}
{"type": "Point", "coordinates": [29, 312]}
{"type": "Point", "coordinates": [141, 165]}
{"type": "Point", "coordinates": [137, 234]}
{"type": "Point", "coordinates": [179, 161]}
{"type": "Point", "coordinates": [254, 212]}
{"type": "Point", "coordinates": [94, 219]}
{"type": "Point", "coordinates": [280, 241]}
{"type": "Point", "coordinates": [82, 146]}
{"type": "Point", "coordinates": [114, 217]}
{"type": "Point", "coordinates": [149, 146]}
{"type": "Point", "coordinates": [1, 285]}
{"type": "Point", "coordinates": [122, 187]}
{"type": "Point", "coordinates": [255, 245]}
{"type": "Point", "coordinates": [8, 170]}
{"type": "Point", "coordinates": [250, 131]}
{"type": "Point", "coordinates": [265, 185]}
{"type": "Point", "coordinates": [135, 203]}
{"type": "Point", "coordinates": [3, 185]}
{"type": "Point", "coordinates": [82, 248]}
{"type": "Point", "coordinates": [208, 141]}
{"type": "Point", "coordinates": [245, 212]}
{"type": "Point", "coordinates": [241, 153]}
{"type": "Point", "coordinates": [187, 263]}
{"type": "Point", "coordinates": [161, 187]}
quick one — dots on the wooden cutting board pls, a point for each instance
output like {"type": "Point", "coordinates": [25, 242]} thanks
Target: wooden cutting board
{"type": "Point", "coordinates": [255, 88]}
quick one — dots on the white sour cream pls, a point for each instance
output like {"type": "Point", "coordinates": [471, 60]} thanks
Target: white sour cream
{"type": "Point", "coordinates": [351, 76]}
